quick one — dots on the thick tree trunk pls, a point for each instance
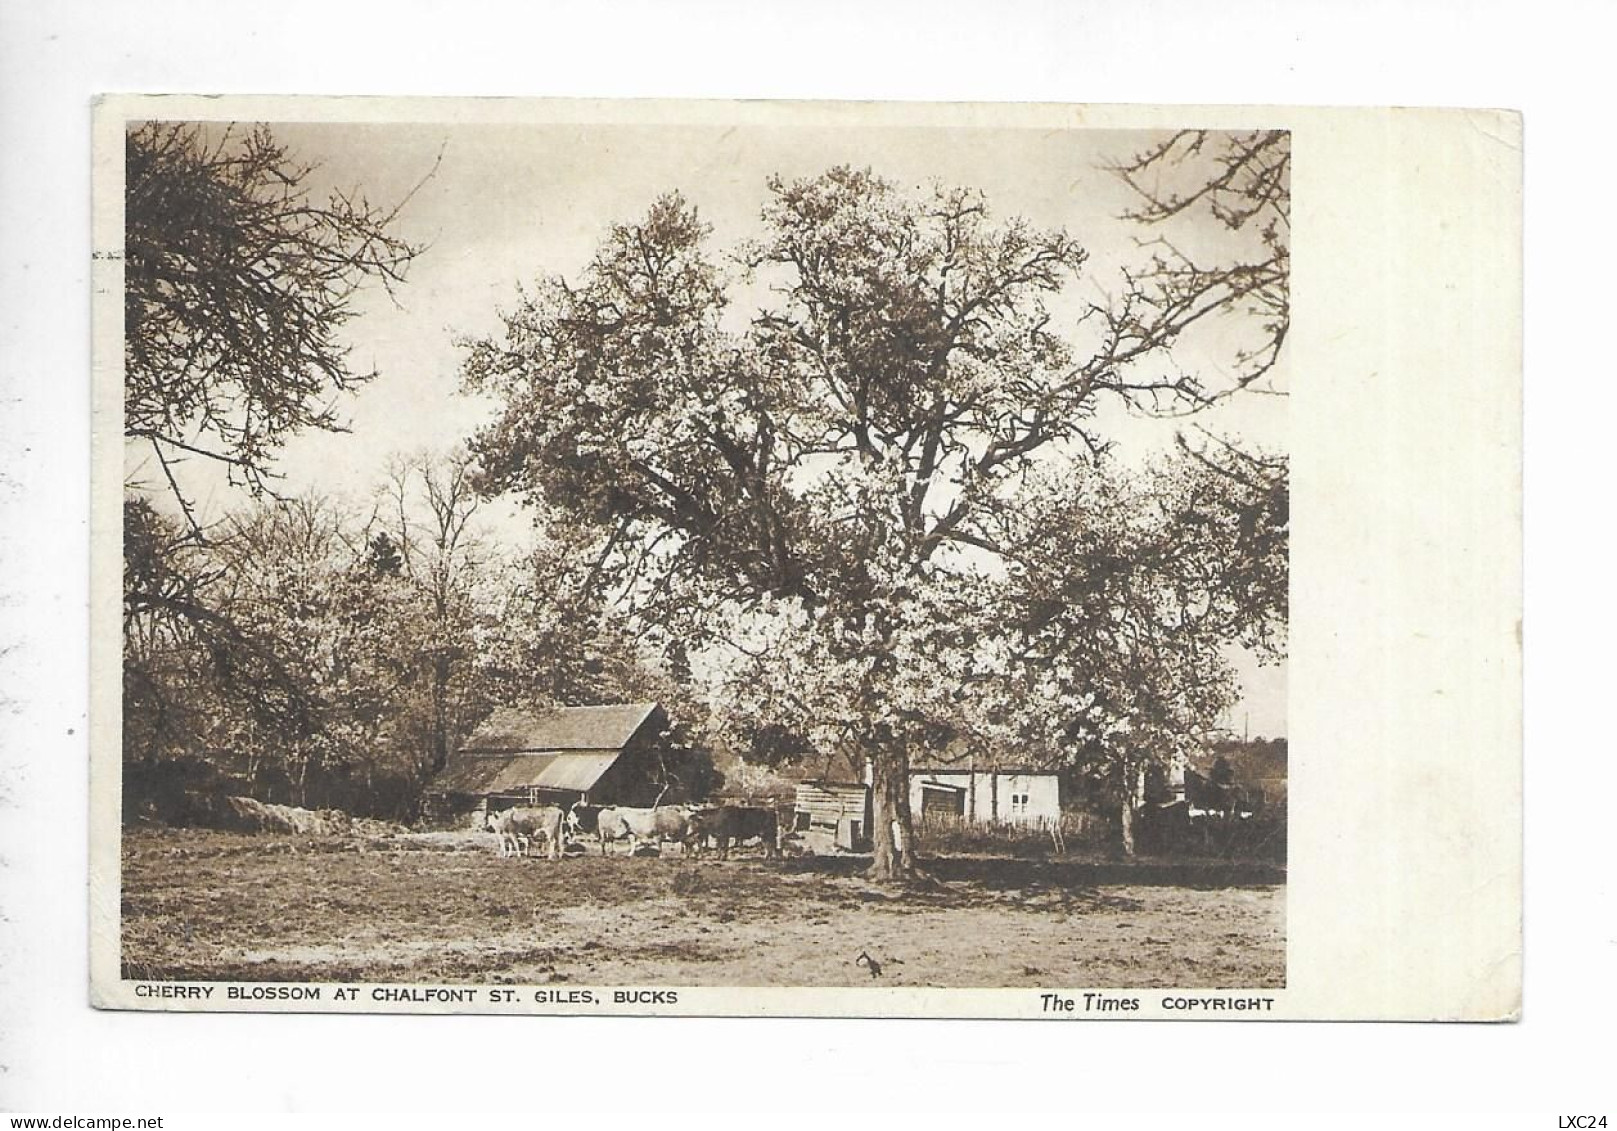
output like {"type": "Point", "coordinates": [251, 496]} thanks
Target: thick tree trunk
{"type": "Point", "coordinates": [891, 835]}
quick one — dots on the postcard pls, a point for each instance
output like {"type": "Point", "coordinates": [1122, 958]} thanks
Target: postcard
{"type": "Point", "coordinates": [806, 559]}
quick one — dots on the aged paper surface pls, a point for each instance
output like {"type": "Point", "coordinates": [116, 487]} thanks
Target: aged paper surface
{"type": "Point", "coordinates": [1373, 873]}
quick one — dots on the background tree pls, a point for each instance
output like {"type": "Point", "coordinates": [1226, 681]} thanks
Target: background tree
{"type": "Point", "coordinates": [1120, 601]}
{"type": "Point", "coordinates": [270, 655]}
{"type": "Point", "coordinates": [805, 497]}
{"type": "Point", "coordinates": [301, 579]}
{"type": "Point", "coordinates": [430, 507]}
{"type": "Point", "coordinates": [197, 677]}
{"type": "Point", "coordinates": [237, 282]}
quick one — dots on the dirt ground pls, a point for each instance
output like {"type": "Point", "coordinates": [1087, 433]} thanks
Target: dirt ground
{"type": "Point", "coordinates": [445, 908]}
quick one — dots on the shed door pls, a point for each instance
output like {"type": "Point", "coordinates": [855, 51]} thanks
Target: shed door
{"type": "Point", "coordinates": [940, 800]}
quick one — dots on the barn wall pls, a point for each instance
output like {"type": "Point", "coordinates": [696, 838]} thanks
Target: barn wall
{"type": "Point", "coordinates": [624, 783]}
{"type": "Point", "coordinates": [631, 780]}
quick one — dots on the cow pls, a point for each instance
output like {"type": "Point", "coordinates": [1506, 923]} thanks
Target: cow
{"type": "Point", "coordinates": [494, 821]}
{"type": "Point", "coordinates": [656, 825]}
{"type": "Point", "coordinates": [518, 827]}
{"type": "Point", "coordinates": [738, 823]}
{"type": "Point", "coordinates": [513, 841]}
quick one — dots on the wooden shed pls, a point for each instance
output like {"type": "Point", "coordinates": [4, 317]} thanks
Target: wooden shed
{"type": "Point", "coordinates": [598, 755]}
{"type": "Point", "coordinates": [842, 808]}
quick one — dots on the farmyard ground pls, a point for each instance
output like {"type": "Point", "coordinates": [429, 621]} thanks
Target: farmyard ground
{"type": "Point", "coordinates": [445, 909]}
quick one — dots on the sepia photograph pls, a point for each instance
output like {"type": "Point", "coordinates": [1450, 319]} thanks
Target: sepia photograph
{"type": "Point", "coordinates": [703, 555]}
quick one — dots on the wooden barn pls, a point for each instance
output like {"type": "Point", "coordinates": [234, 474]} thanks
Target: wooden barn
{"type": "Point", "coordinates": [602, 755]}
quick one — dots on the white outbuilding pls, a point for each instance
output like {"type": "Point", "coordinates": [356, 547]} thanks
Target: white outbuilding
{"type": "Point", "coordinates": [1015, 796]}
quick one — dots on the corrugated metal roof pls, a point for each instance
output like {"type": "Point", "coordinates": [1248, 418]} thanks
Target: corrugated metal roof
{"type": "Point", "coordinates": [479, 774]}
{"type": "Point", "coordinates": [606, 727]}
{"type": "Point", "coordinates": [521, 771]}
{"type": "Point", "coordinates": [575, 771]}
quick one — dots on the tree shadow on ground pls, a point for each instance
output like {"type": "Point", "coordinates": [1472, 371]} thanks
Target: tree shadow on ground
{"type": "Point", "coordinates": [1005, 873]}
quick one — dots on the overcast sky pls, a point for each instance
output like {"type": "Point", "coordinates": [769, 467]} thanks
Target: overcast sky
{"type": "Point", "coordinates": [509, 203]}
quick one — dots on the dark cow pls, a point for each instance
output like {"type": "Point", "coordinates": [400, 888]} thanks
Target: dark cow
{"type": "Point", "coordinates": [656, 825]}
{"type": "Point", "coordinates": [735, 823]}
